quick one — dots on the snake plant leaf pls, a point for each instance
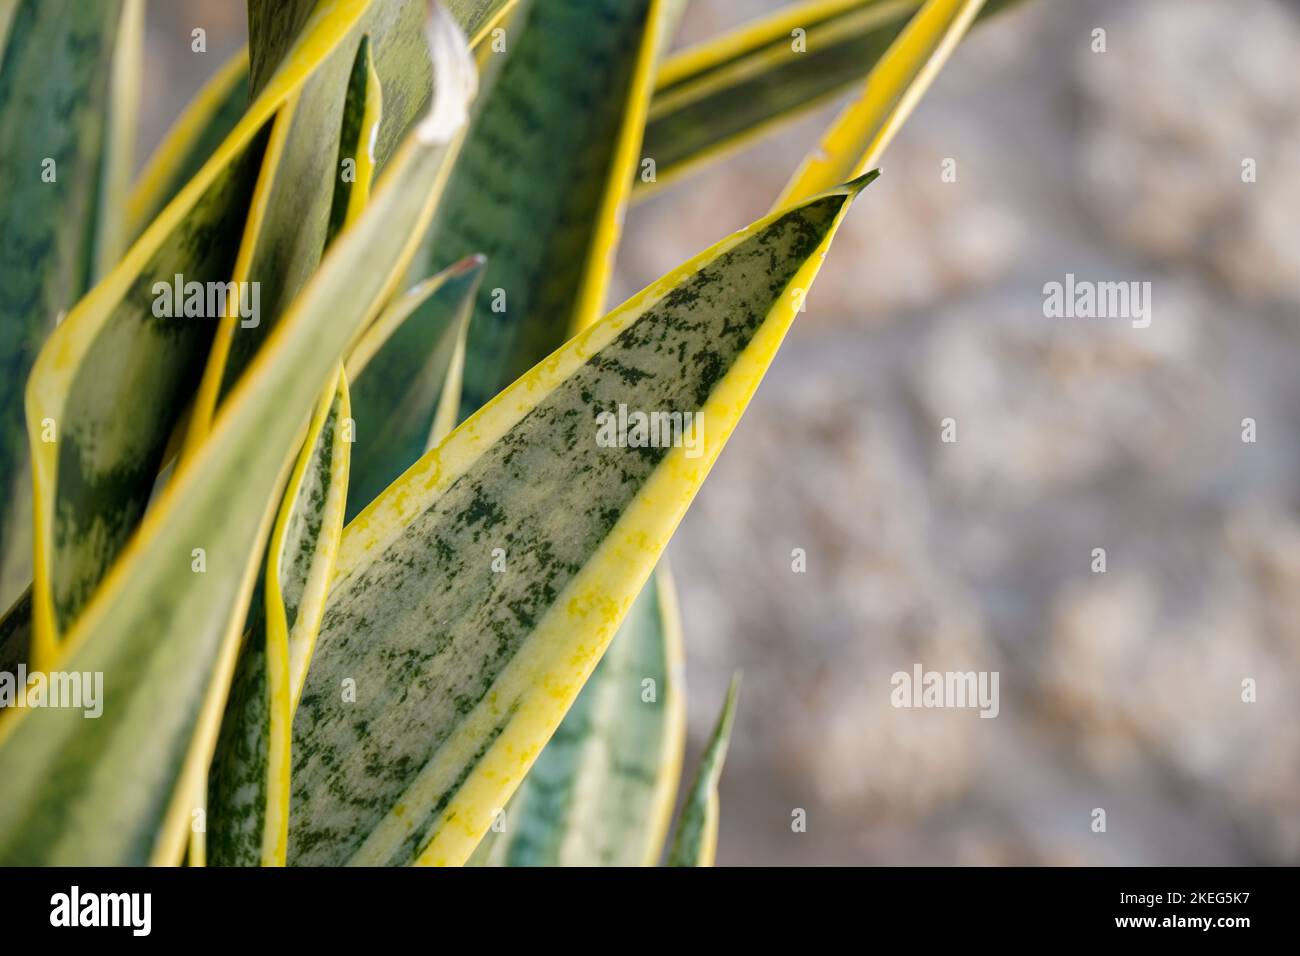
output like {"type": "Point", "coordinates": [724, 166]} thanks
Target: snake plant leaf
{"type": "Point", "coordinates": [895, 85]}
{"type": "Point", "coordinates": [197, 133]}
{"type": "Point", "coordinates": [716, 97]}
{"type": "Point", "coordinates": [115, 790]}
{"type": "Point", "coordinates": [696, 840]}
{"type": "Point", "coordinates": [213, 113]}
{"type": "Point", "coordinates": [55, 70]}
{"type": "Point", "coordinates": [406, 373]}
{"type": "Point", "coordinates": [474, 597]}
{"type": "Point", "coordinates": [249, 785]}
{"type": "Point", "coordinates": [113, 351]}
{"type": "Point", "coordinates": [602, 791]}
{"type": "Point", "coordinates": [539, 83]}
{"type": "Point", "coordinates": [550, 153]}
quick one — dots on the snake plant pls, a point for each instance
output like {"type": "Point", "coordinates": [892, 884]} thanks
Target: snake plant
{"type": "Point", "coordinates": [306, 492]}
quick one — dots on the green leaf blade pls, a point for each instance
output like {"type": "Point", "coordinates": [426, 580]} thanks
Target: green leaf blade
{"type": "Point", "coordinates": [462, 673]}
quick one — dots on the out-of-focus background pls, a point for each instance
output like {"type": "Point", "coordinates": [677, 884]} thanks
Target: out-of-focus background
{"type": "Point", "coordinates": [1119, 690]}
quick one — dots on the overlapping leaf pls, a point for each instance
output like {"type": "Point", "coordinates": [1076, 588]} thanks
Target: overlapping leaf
{"type": "Point", "coordinates": [114, 790]}
{"type": "Point", "coordinates": [115, 351]}
{"type": "Point", "coordinates": [211, 117]}
{"type": "Point", "coordinates": [248, 795]}
{"type": "Point", "coordinates": [214, 112]}
{"type": "Point", "coordinates": [291, 219]}
{"type": "Point", "coordinates": [55, 70]}
{"type": "Point", "coordinates": [602, 791]}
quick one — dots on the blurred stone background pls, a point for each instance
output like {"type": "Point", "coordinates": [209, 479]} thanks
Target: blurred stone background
{"type": "Point", "coordinates": [1119, 690]}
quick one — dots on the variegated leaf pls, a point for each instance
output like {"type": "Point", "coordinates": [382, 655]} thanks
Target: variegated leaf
{"type": "Point", "coordinates": [247, 793]}
{"type": "Point", "coordinates": [438, 678]}
{"type": "Point", "coordinates": [307, 160]}
{"type": "Point", "coordinates": [118, 149]}
{"type": "Point", "coordinates": [197, 133]}
{"type": "Point", "coordinates": [619, 827]}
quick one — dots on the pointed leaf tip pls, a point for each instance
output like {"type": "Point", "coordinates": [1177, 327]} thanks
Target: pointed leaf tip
{"type": "Point", "coordinates": [729, 706]}
{"type": "Point", "coordinates": [859, 183]}
{"type": "Point", "coordinates": [467, 265]}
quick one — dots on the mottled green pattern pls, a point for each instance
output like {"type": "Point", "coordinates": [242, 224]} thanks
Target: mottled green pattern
{"type": "Point", "coordinates": [236, 808]}
{"type": "Point", "coordinates": [396, 397]}
{"type": "Point", "coordinates": [535, 167]}
{"type": "Point", "coordinates": [426, 626]}
{"type": "Point", "coordinates": [237, 783]}
{"type": "Point", "coordinates": [697, 827]}
{"type": "Point", "coordinates": [589, 798]}
{"type": "Point", "coordinates": [93, 792]}
{"type": "Point", "coordinates": [54, 89]}
{"type": "Point", "coordinates": [716, 116]}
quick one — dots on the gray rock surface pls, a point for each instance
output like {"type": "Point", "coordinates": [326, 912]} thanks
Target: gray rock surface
{"type": "Point", "coordinates": [1122, 690]}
